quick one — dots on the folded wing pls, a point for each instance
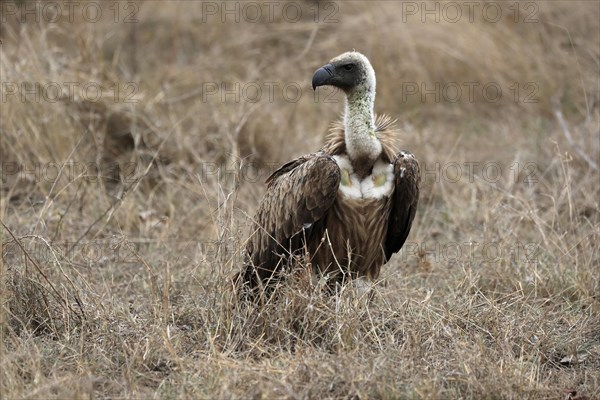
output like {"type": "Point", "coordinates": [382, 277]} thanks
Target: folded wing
{"type": "Point", "coordinates": [404, 202]}
{"type": "Point", "coordinates": [299, 195]}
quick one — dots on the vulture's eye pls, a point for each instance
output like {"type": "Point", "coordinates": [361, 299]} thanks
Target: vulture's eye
{"type": "Point", "coordinates": [348, 67]}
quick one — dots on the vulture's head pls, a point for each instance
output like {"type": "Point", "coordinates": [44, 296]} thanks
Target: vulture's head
{"type": "Point", "coordinates": [350, 72]}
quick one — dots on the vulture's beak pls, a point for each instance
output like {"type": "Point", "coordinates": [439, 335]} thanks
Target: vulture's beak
{"type": "Point", "coordinates": [322, 76]}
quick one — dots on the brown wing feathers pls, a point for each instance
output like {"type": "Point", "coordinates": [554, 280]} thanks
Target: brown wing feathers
{"type": "Point", "coordinates": [299, 194]}
{"type": "Point", "coordinates": [404, 202]}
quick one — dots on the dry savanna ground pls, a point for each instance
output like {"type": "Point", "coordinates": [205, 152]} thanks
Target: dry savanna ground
{"type": "Point", "coordinates": [135, 137]}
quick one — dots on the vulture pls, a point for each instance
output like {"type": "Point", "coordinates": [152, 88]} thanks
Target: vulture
{"type": "Point", "coordinates": [345, 209]}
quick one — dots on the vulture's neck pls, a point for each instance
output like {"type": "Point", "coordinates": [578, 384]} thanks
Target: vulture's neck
{"type": "Point", "coordinates": [362, 145]}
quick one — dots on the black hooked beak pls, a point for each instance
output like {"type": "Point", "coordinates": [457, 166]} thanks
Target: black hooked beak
{"type": "Point", "coordinates": [322, 76]}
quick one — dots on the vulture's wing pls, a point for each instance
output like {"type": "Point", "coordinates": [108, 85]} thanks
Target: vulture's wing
{"type": "Point", "coordinates": [298, 195]}
{"type": "Point", "coordinates": [404, 202]}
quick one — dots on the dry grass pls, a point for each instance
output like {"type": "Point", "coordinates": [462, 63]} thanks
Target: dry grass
{"type": "Point", "coordinates": [116, 283]}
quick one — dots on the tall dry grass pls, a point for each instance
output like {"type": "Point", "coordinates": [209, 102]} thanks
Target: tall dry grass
{"type": "Point", "coordinates": [124, 217]}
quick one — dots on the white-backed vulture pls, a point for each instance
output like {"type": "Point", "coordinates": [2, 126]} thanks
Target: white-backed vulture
{"type": "Point", "coordinates": [350, 206]}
